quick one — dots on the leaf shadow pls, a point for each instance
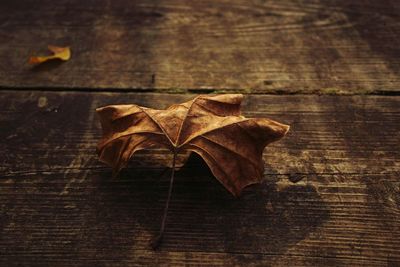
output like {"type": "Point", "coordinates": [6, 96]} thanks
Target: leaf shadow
{"type": "Point", "coordinates": [47, 65]}
{"type": "Point", "coordinates": [204, 216]}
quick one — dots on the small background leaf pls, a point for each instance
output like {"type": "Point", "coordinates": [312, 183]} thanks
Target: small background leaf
{"type": "Point", "coordinates": [62, 53]}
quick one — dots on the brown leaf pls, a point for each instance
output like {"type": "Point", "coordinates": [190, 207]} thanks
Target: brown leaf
{"type": "Point", "coordinates": [211, 126]}
{"type": "Point", "coordinates": [62, 53]}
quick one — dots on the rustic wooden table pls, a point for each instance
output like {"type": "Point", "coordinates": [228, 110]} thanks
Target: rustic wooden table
{"type": "Point", "coordinates": [330, 69]}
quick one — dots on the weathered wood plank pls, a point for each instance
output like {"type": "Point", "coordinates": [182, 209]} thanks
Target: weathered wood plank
{"type": "Point", "coordinates": [335, 46]}
{"type": "Point", "coordinates": [59, 206]}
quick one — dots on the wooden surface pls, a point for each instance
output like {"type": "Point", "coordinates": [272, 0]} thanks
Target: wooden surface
{"type": "Point", "coordinates": [330, 195]}
{"type": "Point", "coordinates": [308, 46]}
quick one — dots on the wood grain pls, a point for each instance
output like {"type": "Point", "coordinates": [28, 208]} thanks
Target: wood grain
{"type": "Point", "coordinates": [330, 195]}
{"type": "Point", "coordinates": [332, 47]}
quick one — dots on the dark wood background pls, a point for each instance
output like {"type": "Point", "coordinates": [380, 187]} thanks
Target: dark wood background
{"type": "Point", "coordinates": [308, 46]}
{"type": "Point", "coordinates": [331, 193]}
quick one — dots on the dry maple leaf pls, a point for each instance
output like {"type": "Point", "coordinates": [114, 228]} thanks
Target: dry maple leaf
{"type": "Point", "coordinates": [62, 53]}
{"type": "Point", "coordinates": [211, 126]}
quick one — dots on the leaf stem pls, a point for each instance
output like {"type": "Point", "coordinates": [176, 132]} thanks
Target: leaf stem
{"type": "Point", "coordinates": [156, 242]}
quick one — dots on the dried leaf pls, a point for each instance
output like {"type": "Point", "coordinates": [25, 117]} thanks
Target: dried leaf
{"type": "Point", "coordinates": [62, 53]}
{"type": "Point", "coordinates": [211, 126]}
